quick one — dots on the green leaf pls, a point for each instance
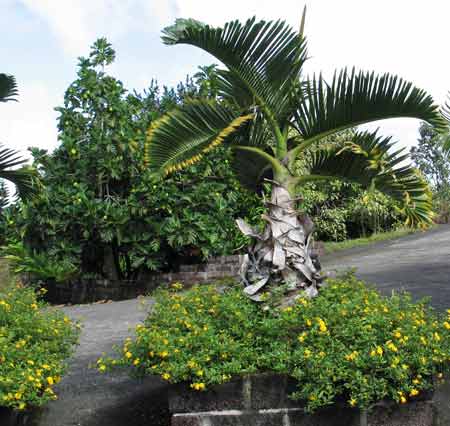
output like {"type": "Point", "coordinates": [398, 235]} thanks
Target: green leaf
{"type": "Point", "coordinates": [8, 88]}
{"type": "Point", "coordinates": [185, 134]}
{"type": "Point", "coordinates": [263, 59]}
{"type": "Point", "coordinates": [368, 160]}
{"type": "Point", "coordinates": [357, 98]}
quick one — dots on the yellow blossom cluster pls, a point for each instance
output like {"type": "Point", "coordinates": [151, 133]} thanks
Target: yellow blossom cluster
{"type": "Point", "coordinates": [366, 346]}
{"type": "Point", "coordinates": [33, 346]}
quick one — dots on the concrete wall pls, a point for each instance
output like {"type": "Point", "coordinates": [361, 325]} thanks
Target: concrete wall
{"type": "Point", "coordinates": [263, 400]}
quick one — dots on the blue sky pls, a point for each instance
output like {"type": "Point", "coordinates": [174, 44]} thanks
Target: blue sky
{"type": "Point", "coordinates": [43, 38]}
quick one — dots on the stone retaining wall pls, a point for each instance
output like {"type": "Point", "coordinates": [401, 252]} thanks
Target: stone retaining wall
{"type": "Point", "coordinates": [89, 291]}
{"type": "Point", "coordinates": [263, 400]}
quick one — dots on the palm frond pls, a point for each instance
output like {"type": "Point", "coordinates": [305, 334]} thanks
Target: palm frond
{"type": "Point", "coordinates": [251, 170]}
{"type": "Point", "coordinates": [266, 57]}
{"type": "Point", "coordinates": [184, 135]}
{"type": "Point", "coordinates": [357, 98]}
{"type": "Point", "coordinates": [8, 88]}
{"type": "Point", "coordinates": [368, 160]}
{"type": "Point", "coordinates": [446, 109]}
{"type": "Point", "coordinates": [24, 181]}
{"type": "Point", "coordinates": [22, 178]}
{"type": "Point", "coordinates": [446, 114]}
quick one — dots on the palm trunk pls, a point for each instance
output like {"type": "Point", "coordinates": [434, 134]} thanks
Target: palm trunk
{"type": "Point", "coordinates": [281, 255]}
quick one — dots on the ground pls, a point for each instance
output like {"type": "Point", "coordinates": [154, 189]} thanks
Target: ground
{"type": "Point", "coordinates": [419, 263]}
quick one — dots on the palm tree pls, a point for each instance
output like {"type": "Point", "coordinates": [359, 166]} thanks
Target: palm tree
{"type": "Point", "coordinates": [270, 116]}
{"type": "Point", "coordinates": [9, 158]}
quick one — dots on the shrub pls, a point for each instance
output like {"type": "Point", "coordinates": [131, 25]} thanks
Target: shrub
{"type": "Point", "coordinates": [34, 343]}
{"type": "Point", "coordinates": [350, 342]}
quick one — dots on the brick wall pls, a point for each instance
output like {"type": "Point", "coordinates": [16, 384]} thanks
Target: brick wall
{"type": "Point", "coordinates": [89, 291]}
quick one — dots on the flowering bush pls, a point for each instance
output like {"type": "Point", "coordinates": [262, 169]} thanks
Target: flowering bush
{"type": "Point", "coordinates": [33, 346]}
{"type": "Point", "coordinates": [350, 342]}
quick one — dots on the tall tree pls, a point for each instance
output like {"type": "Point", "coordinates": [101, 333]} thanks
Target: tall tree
{"type": "Point", "coordinates": [430, 157]}
{"type": "Point", "coordinates": [100, 210]}
{"type": "Point", "coordinates": [22, 178]}
{"type": "Point", "coordinates": [269, 115]}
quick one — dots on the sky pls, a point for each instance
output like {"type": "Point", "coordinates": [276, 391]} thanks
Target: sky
{"type": "Point", "coordinates": [42, 40]}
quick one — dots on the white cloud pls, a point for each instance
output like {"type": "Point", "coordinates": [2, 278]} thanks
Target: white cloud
{"type": "Point", "coordinates": [76, 23]}
{"type": "Point", "coordinates": [405, 38]}
{"type": "Point", "coordinates": [31, 121]}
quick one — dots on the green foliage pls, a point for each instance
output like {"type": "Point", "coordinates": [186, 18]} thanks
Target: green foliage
{"type": "Point", "coordinates": [9, 158]}
{"type": "Point", "coordinates": [349, 342]}
{"type": "Point", "coordinates": [99, 210]}
{"type": "Point", "coordinates": [39, 266]}
{"type": "Point", "coordinates": [343, 209]}
{"type": "Point", "coordinates": [432, 159]}
{"type": "Point", "coordinates": [274, 115]}
{"type": "Point", "coordinates": [34, 345]}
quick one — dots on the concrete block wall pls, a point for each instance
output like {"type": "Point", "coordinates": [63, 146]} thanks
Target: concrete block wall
{"type": "Point", "coordinates": [262, 400]}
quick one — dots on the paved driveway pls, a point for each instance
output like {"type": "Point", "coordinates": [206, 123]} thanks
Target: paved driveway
{"type": "Point", "coordinates": [419, 263]}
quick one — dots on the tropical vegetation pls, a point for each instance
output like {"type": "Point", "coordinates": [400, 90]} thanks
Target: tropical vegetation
{"type": "Point", "coordinates": [269, 114]}
{"type": "Point", "coordinates": [348, 344]}
{"type": "Point", "coordinates": [98, 213]}
{"type": "Point", "coordinates": [10, 158]}
{"type": "Point", "coordinates": [431, 158]}
{"type": "Point", "coordinates": [35, 343]}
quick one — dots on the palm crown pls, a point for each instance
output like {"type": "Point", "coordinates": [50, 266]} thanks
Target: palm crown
{"type": "Point", "coordinates": [270, 116]}
{"type": "Point", "coordinates": [9, 158]}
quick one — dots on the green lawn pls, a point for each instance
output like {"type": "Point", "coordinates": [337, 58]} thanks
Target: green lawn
{"type": "Point", "coordinates": [331, 246]}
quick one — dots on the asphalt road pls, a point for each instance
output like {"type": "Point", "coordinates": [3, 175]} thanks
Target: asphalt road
{"type": "Point", "coordinates": [419, 263]}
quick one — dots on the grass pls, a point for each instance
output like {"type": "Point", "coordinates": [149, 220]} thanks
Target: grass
{"type": "Point", "coordinates": [331, 246]}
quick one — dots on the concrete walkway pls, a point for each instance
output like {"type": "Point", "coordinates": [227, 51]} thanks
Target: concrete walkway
{"type": "Point", "coordinates": [419, 263]}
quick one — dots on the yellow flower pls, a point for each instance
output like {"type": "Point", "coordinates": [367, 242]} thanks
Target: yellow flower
{"type": "Point", "coordinates": [353, 402]}
{"type": "Point", "coordinates": [308, 323]}
{"type": "Point", "coordinates": [199, 373]}
{"type": "Point", "coordinates": [102, 368]}
{"type": "Point", "coordinates": [414, 392]}
{"type": "Point", "coordinates": [391, 346]}
{"type": "Point", "coordinates": [380, 350]}
{"type": "Point", "coordinates": [322, 325]}
{"type": "Point", "coordinates": [447, 325]}
{"type": "Point", "coordinates": [307, 353]}
{"type": "Point", "coordinates": [301, 337]}
{"type": "Point", "coordinates": [136, 361]}
{"type": "Point", "coordinates": [18, 395]}
{"type": "Point", "coordinates": [164, 354]}
{"type": "Point", "coordinates": [352, 356]}
{"type": "Point", "coordinates": [128, 354]}
{"type": "Point", "coordinates": [22, 406]}
{"type": "Point", "coordinates": [166, 376]}
{"type": "Point", "coordinates": [198, 386]}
